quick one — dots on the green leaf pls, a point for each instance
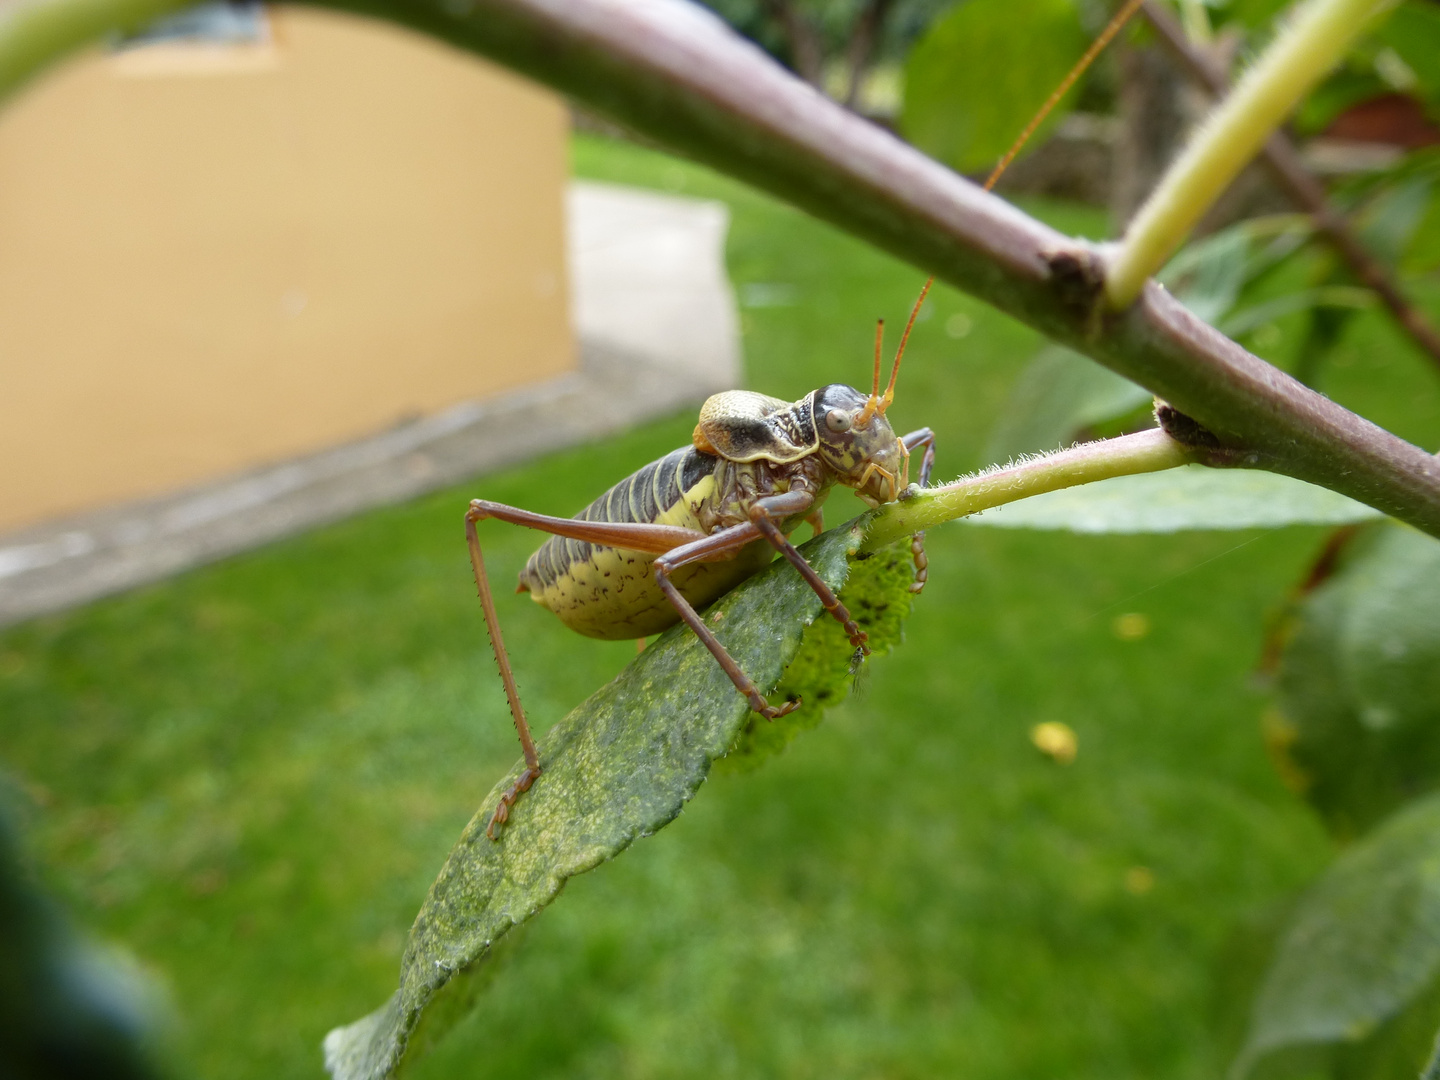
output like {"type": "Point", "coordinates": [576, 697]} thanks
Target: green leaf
{"type": "Point", "coordinates": [1250, 14]}
{"type": "Point", "coordinates": [1399, 209]}
{"type": "Point", "coordinates": [1356, 726]}
{"type": "Point", "coordinates": [1390, 222]}
{"type": "Point", "coordinates": [877, 593]}
{"type": "Point", "coordinates": [1214, 276]}
{"type": "Point", "coordinates": [1210, 275]}
{"type": "Point", "coordinates": [1191, 497]}
{"type": "Point", "coordinates": [1350, 297]}
{"type": "Point", "coordinates": [1207, 275]}
{"type": "Point", "coordinates": [1364, 942]}
{"type": "Point", "coordinates": [619, 767]}
{"type": "Point", "coordinates": [1058, 395]}
{"type": "Point", "coordinates": [1413, 31]}
{"type": "Point", "coordinates": [980, 73]}
{"type": "Point", "coordinates": [1390, 644]}
{"type": "Point", "coordinates": [1423, 254]}
{"type": "Point", "coordinates": [1355, 81]}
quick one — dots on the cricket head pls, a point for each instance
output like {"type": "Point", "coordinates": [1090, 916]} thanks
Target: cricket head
{"type": "Point", "coordinates": [859, 444]}
{"type": "Point", "coordinates": [856, 439]}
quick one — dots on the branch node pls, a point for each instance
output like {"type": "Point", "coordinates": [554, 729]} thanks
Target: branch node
{"type": "Point", "coordinates": [1079, 283]}
{"type": "Point", "coordinates": [1185, 430]}
{"type": "Point", "coordinates": [1204, 445]}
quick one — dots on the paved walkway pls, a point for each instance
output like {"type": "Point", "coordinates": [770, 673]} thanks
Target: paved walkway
{"type": "Point", "coordinates": [657, 332]}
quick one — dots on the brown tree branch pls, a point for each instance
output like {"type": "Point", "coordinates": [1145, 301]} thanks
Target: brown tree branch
{"type": "Point", "coordinates": [678, 74]}
{"type": "Point", "coordinates": [675, 73]}
{"type": "Point", "coordinates": [1283, 162]}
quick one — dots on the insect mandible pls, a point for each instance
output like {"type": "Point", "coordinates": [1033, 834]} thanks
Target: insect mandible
{"type": "Point", "coordinates": [688, 528]}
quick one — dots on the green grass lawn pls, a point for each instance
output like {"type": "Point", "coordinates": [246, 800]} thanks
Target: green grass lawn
{"type": "Point", "coordinates": [249, 775]}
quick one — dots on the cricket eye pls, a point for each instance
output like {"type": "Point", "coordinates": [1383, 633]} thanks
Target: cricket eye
{"type": "Point", "coordinates": [837, 420]}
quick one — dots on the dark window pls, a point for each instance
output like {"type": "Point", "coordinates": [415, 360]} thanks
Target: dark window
{"type": "Point", "coordinates": [219, 22]}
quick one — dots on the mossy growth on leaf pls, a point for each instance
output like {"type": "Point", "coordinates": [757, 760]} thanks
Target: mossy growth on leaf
{"type": "Point", "coordinates": [877, 594]}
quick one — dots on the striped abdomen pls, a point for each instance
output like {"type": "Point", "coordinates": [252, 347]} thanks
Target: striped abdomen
{"type": "Point", "coordinates": [606, 592]}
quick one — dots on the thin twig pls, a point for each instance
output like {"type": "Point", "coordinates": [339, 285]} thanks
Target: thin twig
{"type": "Point", "coordinates": [1283, 161]}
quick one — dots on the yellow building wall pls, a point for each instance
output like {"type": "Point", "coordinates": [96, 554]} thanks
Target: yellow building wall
{"type": "Point", "coordinates": [213, 257]}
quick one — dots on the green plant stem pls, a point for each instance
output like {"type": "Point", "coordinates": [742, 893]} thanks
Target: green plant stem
{"type": "Point", "coordinates": [675, 73]}
{"type": "Point", "coordinates": [1142, 452]}
{"type": "Point", "coordinates": [1305, 49]}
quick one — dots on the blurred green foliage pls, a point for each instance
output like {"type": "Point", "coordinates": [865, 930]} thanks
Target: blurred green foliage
{"type": "Point", "coordinates": [1060, 397]}
{"type": "Point", "coordinates": [1358, 712]}
{"type": "Point", "coordinates": [69, 1008]}
{"type": "Point", "coordinates": [1350, 990]}
{"type": "Point", "coordinates": [252, 773]}
{"type": "Point", "coordinates": [981, 72]}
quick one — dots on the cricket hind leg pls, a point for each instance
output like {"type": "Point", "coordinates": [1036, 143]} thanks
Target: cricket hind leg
{"type": "Point", "coordinates": [531, 771]}
{"type": "Point", "coordinates": [638, 536]}
{"type": "Point", "coordinates": [926, 438]}
{"type": "Point", "coordinates": [630, 535]}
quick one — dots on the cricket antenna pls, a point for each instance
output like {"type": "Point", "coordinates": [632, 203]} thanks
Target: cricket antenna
{"type": "Point", "coordinates": [875, 379]}
{"type": "Point", "coordinates": [1096, 48]}
{"type": "Point", "coordinates": [878, 403]}
{"type": "Point", "coordinates": [904, 338]}
{"type": "Point", "coordinates": [873, 405]}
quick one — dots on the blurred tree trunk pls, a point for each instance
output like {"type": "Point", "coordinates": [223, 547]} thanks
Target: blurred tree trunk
{"type": "Point", "coordinates": [802, 38]}
{"type": "Point", "coordinates": [863, 39]}
{"type": "Point", "coordinates": [1154, 121]}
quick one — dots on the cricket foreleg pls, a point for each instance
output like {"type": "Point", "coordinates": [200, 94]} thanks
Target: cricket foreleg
{"type": "Point", "coordinates": [926, 438]}
{"type": "Point", "coordinates": [762, 515]}
{"type": "Point", "coordinates": [713, 546]}
{"type": "Point", "coordinates": [916, 439]}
